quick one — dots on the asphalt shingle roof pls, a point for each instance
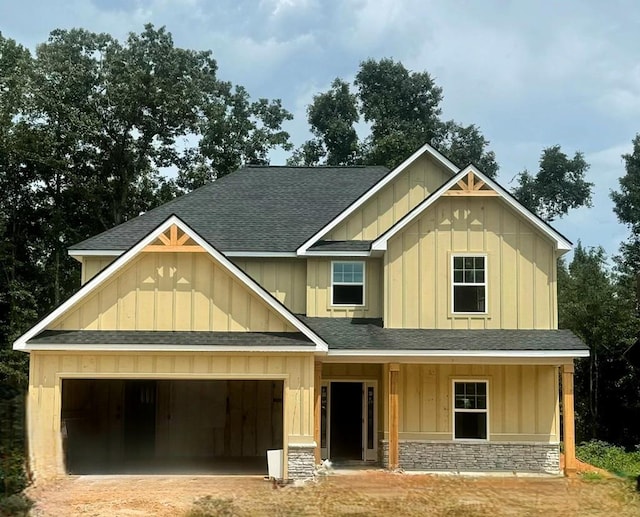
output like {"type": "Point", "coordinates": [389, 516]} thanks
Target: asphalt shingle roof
{"type": "Point", "coordinates": [254, 209]}
{"type": "Point", "coordinates": [341, 246]}
{"type": "Point", "coordinates": [368, 334]}
{"type": "Point", "coordinates": [157, 337]}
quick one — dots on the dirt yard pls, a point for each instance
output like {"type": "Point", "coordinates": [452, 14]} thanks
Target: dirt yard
{"type": "Point", "coordinates": [366, 493]}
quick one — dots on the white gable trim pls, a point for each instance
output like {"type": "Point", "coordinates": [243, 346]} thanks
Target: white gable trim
{"type": "Point", "coordinates": [562, 244]}
{"type": "Point", "coordinates": [78, 254]}
{"type": "Point", "coordinates": [122, 260]}
{"type": "Point", "coordinates": [426, 148]}
{"type": "Point", "coordinates": [520, 354]}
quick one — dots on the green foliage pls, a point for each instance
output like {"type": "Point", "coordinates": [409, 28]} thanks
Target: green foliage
{"type": "Point", "coordinates": [610, 457]}
{"type": "Point", "coordinates": [12, 473]}
{"type": "Point", "coordinates": [596, 305]}
{"type": "Point", "coordinates": [209, 506]}
{"type": "Point", "coordinates": [557, 187]}
{"type": "Point", "coordinates": [16, 505]}
{"type": "Point", "coordinates": [403, 111]}
{"type": "Point", "coordinates": [627, 207]}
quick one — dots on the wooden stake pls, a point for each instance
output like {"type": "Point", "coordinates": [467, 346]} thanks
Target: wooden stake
{"type": "Point", "coordinates": [568, 420]}
{"type": "Point", "coordinates": [394, 416]}
{"type": "Point", "coordinates": [317, 384]}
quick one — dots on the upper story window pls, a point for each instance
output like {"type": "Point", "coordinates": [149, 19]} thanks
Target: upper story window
{"type": "Point", "coordinates": [470, 410]}
{"type": "Point", "coordinates": [469, 283]}
{"type": "Point", "coordinates": [347, 283]}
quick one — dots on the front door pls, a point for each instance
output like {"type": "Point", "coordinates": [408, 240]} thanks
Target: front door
{"type": "Point", "coordinates": [348, 427]}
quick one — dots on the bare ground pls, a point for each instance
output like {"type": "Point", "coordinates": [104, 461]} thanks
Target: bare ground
{"type": "Point", "coordinates": [365, 493]}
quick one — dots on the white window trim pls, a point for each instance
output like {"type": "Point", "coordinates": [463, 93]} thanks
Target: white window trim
{"type": "Point", "coordinates": [455, 410]}
{"type": "Point", "coordinates": [364, 282]}
{"type": "Point", "coordinates": [485, 284]}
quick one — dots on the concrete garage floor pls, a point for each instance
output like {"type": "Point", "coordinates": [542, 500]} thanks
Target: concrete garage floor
{"type": "Point", "coordinates": [252, 466]}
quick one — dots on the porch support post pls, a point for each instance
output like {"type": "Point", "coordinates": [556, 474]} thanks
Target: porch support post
{"type": "Point", "coordinates": [317, 385]}
{"type": "Point", "coordinates": [568, 420]}
{"type": "Point", "coordinates": [394, 417]}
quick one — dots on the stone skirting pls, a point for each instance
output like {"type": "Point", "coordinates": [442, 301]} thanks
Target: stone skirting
{"type": "Point", "coordinates": [474, 456]}
{"type": "Point", "coordinates": [301, 461]}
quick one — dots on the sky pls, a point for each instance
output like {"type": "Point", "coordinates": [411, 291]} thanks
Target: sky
{"type": "Point", "coordinates": [529, 74]}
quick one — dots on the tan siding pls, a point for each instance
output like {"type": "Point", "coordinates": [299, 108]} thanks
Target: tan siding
{"type": "Point", "coordinates": [521, 268]}
{"type": "Point", "coordinates": [91, 266]}
{"type": "Point", "coordinates": [382, 211]}
{"type": "Point", "coordinates": [319, 291]}
{"type": "Point", "coordinates": [523, 401]}
{"type": "Point", "coordinates": [173, 291]}
{"type": "Point", "coordinates": [286, 279]}
{"type": "Point", "coordinates": [47, 370]}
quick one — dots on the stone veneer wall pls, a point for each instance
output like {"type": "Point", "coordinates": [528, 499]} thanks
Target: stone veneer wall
{"type": "Point", "coordinates": [301, 461]}
{"type": "Point", "coordinates": [475, 456]}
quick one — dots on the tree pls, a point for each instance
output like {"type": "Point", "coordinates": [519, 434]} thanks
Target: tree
{"type": "Point", "coordinates": [599, 307]}
{"type": "Point", "coordinates": [626, 203]}
{"type": "Point", "coordinates": [558, 186]}
{"type": "Point", "coordinates": [403, 111]}
{"type": "Point", "coordinates": [332, 116]}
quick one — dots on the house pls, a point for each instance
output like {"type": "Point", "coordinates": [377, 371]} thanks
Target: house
{"type": "Point", "coordinates": [406, 318]}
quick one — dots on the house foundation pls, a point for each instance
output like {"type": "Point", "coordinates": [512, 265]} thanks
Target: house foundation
{"type": "Point", "coordinates": [475, 457]}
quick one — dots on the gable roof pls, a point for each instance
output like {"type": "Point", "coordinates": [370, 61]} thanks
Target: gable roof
{"type": "Point", "coordinates": [22, 342]}
{"type": "Point", "coordinates": [561, 242]}
{"type": "Point", "coordinates": [257, 209]}
{"type": "Point", "coordinates": [426, 149]}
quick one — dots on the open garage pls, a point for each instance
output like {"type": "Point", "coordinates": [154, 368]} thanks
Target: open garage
{"type": "Point", "coordinates": [123, 426]}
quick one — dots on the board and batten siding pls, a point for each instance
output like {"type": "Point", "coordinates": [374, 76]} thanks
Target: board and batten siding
{"type": "Point", "coordinates": [173, 291]}
{"type": "Point", "coordinates": [91, 266]}
{"type": "Point", "coordinates": [521, 262]}
{"type": "Point", "coordinates": [523, 401]}
{"type": "Point", "coordinates": [285, 279]}
{"type": "Point", "coordinates": [319, 290]}
{"type": "Point", "coordinates": [48, 369]}
{"type": "Point", "coordinates": [388, 206]}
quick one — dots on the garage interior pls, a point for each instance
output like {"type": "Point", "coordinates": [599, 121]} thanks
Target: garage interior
{"type": "Point", "coordinates": [118, 426]}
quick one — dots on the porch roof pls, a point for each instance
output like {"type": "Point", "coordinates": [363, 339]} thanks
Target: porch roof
{"type": "Point", "coordinates": [369, 334]}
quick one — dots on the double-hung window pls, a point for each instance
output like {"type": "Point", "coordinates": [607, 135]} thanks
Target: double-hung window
{"type": "Point", "coordinates": [347, 283]}
{"type": "Point", "coordinates": [469, 283]}
{"type": "Point", "coordinates": [470, 410]}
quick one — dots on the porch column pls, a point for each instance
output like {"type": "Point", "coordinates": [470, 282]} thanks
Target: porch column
{"type": "Point", "coordinates": [317, 386]}
{"type": "Point", "coordinates": [568, 420]}
{"type": "Point", "coordinates": [394, 370]}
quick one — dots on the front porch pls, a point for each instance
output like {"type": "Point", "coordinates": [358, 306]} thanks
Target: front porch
{"type": "Point", "coordinates": [419, 416]}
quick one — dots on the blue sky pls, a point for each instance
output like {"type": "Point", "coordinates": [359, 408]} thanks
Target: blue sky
{"type": "Point", "coordinates": [529, 74]}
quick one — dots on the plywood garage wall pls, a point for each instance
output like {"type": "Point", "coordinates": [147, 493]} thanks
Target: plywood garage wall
{"type": "Point", "coordinates": [521, 262]}
{"type": "Point", "coordinates": [382, 211]}
{"type": "Point", "coordinates": [48, 368]}
{"type": "Point", "coordinates": [173, 291]}
{"type": "Point", "coordinates": [523, 401]}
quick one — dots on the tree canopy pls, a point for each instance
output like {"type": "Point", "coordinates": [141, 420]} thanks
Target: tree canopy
{"type": "Point", "coordinates": [402, 111]}
{"type": "Point", "coordinates": [557, 187]}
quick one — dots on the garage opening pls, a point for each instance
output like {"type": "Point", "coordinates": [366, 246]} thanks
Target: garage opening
{"type": "Point", "coordinates": [170, 426]}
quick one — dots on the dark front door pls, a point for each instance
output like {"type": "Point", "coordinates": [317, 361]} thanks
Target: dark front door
{"type": "Point", "coordinates": [139, 419]}
{"type": "Point", "coordinates": [346, 421]}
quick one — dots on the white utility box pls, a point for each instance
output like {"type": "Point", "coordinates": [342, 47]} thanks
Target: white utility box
{"type": "Point", "coordinates": [275, 460]}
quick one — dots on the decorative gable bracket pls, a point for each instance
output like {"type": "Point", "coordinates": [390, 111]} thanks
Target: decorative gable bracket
{"type": "Point", "coordinates": [470, 185]}
{"type": "Point", "coordinates": [174, 240]}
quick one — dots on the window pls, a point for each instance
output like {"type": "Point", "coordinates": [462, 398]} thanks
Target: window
{"type": "Point", "coordinates": [347, 283]}
{"type": "Point", "coordinates": [470, 410]}
{"type": "Point", "coordinates": [469, 284]}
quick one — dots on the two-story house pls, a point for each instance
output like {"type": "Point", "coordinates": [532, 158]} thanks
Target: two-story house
{"type": "Point", "coordinates": [406, 318]}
